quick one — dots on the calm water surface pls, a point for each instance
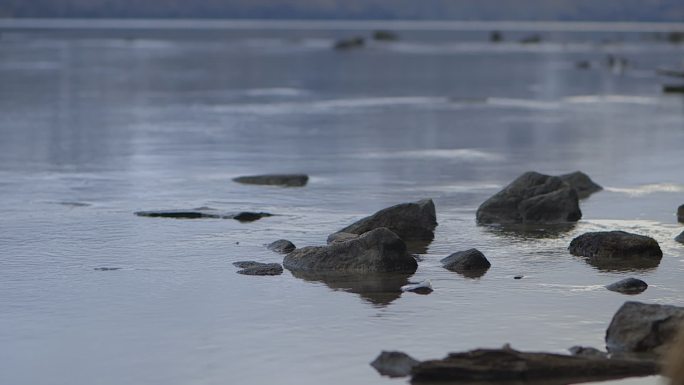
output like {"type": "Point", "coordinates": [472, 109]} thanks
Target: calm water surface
{"type": "Point", "coordinates": [98, 124]}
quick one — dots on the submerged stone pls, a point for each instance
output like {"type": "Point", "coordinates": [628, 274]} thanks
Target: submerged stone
{"type": "Point", "coordinates": [628, 286]}
{"type": "Point", "coordinates": [394, 364]}
{"type": "Point", "coordinates": [282, 246]}
{"type": "Point", "coordinates": [346, 44]}
{"type": "Point", "coordinates": [283, 180]}
{"type": "Point", "coordinates": [424, 287]}
{"type": "Point", "coordinates": [258, 268]}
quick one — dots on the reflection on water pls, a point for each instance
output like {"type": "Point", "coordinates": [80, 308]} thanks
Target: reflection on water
{"type": "Point", "coordinates": [623, 265]}
{"type": "Point", "coordinates": [531, 231]}
{"type": "Point", "coordinates": [379, 289]}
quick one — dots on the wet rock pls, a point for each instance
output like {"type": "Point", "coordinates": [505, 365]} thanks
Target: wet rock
{"type": "Point", "coordinates": [178, 214]}
{"type": "Point", "coordinates": [394, 364]}
{"type": "Point", "coordinates": [675, 37]}
{"type": "Point", "coordinates": [424, 287]}
{"type": "Point", "coordinates": [410, 221]}
{"type": "Point", "coordinates": [377, 251]}
{"type": "Point", "coordinates": [347, 44]}
{"type": "Point", "coordinates": [382, 35]}
{"type": "Point", "coordinates": [532, 198]}
{"type": "Point", "coordinates": [519, 277]}
{"type": "Point", "coordinates": [470, 263]}
{"type": "Point", "coordinates": [616, 246]}
{"type": "Point", "coordinates": [673, 88]}
{"type": "Point", "coordinates": [581, 183]}
{"type": "Point", "coordinates": [282, 246]}
{"type": "Point", "coordinates": [643, 328]}
{"type": "Point", "coordinates": [107, 268]}
{"type": "Point", "coordinates": [284, 180]}
{"type": "Point", "coordinates": [628, 286]}
{"type": "Point", "coordinates": [258, 268]}
{"type": "Point", "coordinates": [583, 64]}
{"type": "Point", "coordinates": [680, 213]}
{"type": "Point", "coordinates": [495, 36]}
{"type": "Point", "coordinates": [511, 365]}
{"type": "Point", "coordinates": [680, 238]}
{"type": "Point", "coordinates": [341, 237]}
{"type": "Point", "coordinates": [247, 216]}
{"type": "Point", "coordinates": [202, 213]}
{"type": "Point", "coordinates": [583, 351]}
{"type": "Point", "coordinates": [532, 39]}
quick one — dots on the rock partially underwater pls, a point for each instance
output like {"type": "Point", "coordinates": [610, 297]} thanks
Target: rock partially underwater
{"type": "Point", "coordinates": [643, 328]}
{"type": "Point", "coordinates": [394, 364]}
{"type": "Point", "coordinates": [469, 263]}
{"type": "Point", "coordinates": [283, 180]}
{"type": "Point", "coordinates": [258, 268]}
{"type": "Point", "coordinates": [244, 216]}
{"type": "Point", "coordinates": [532, 198]}
{"type": "Point", "coordinates": [628, 286]}
{"type": "Point", "coordinates": [617, 250]}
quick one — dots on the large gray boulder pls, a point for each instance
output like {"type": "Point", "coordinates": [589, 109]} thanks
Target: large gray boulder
{"type": "Point", "coordinates": [532, 198]}
{"type": "Point", "coordinates": [615, 244]}
{"type": "Point", "coordinates": [410, 221]}
{"type": "Point", "coordinates": [377, 251]}
{"type": "Point", "coordinates": [581, 183]}
{"type": "Point", "coordinates": [643, 328]}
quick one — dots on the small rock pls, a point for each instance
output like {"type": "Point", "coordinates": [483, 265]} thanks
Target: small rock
{"type": "Point", "coordinates": [581, 183]}
{"type": "Point", "coordinates": [107, 268]}
{"type": "Point", "coordinates": [628, 286]}
{"type": "Point", "coordinates": [519, 277]}
{"type": "Point", "coordinates": [381, 35]}
{"type": "Point", "coordinates": [377, 251]}
{"type": "Point", "coordinates": [495, 36]}
{"type": "Point", "coordinates": [258, 268]}
{"type": "Point", "coordinates": [347, 44]}
{"type": "Point", "coordinates": [608, 245]}
{"type": "Point", "coordinates": [532, 198]}
{"type": "Point", "coordinates": [177, 214]}
{"type": "Point", "coordinates": [680, 238]}
{"type": "Point", "coordinates": [424, 287]}
{"type": "Point", "coordinates": [673, 88]}
{"type": "Point", "coordinates": [394, 364]}
{"type": "Point", "coordinates": [680, 214]}
{"type": "Point", "coordinates": [643, 328]}
{"type": "Point", "coordinates": [410, 221]}
{"type": "Point", "coordinates": [282, 246]}
{"type": "Point", "coordinates": [283, 180]}
{"type": "Point", "coordinates": [247, 216]}
{"type": "Point", "coordinates": [583, 351]}
{"type": "Point", "coordinates": [470, 263]}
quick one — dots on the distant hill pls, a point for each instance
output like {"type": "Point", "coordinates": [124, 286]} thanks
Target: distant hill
{"type": "Point", "coordinates": [594, 10]}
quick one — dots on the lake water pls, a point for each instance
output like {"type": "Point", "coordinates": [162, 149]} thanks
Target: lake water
{"type": "Point", "coordinates": [97, 124]}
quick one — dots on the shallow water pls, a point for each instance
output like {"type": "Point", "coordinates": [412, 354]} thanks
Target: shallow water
{"type": "Point", "coordinates": [99, 124]}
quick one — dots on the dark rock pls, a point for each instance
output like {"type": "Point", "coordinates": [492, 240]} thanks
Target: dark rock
{"type": "Point", "coordinates": [628, 286]}
{"type": "Point", "coordinates": [347, 44]}
{"type": "Point", "coordinates": [394, 364]}
{"type": "Point", "coordinates": [377, 251]}
{"type": "Point", "coordinates": [581, 183]}
{"type": "Point", "coordinates": [511, 365]}
{"type": "Point", "coordinates": [410, 221]}
{"type": "Point", "coordinates": [532, 198]}
{"type": "Point", "coordinates": [675, 37]}
{"type": "Point", "coordinates": [379, 289]}
{"type": "Point", "coordinates": [673, 88]}
{"type": "Point", "coordinates": [381, 35]}
{"type": "Point", "coordinates": [584, 351]}
{"type": "Point", "coordinates": [341, 237]}
{"type": "Point", "coordinates": [284, 180]}
{"type": "Point", "coordinates": [470, 263]}
{"type": "Point", "coordinates": [532, 39]}
{"type": "Point", "coordinates": [282, 246]}
{"type": "Point", "coordinates": [495, 36]}
{"type": "Point", "coordinates": [178, 214]}
{"type": "Point", "coordinates": [583, 64]}
{"type": "Point", "coordinates": [680, 214]}
{"type": "Point", "coordinates": [258, 268]}
{"type": "Point", "coordinates": [616, 247]}
{"type": "Point", "coordinates": [680, 238]}
{"type": "Point", "coordinates": [247, 216]}
{"type": "Point", "coordinates": [643, 328]}
{"type": "Point", "coordinates": [519, 277]}
{"type": "Point", "coordinates": [107, 268]}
